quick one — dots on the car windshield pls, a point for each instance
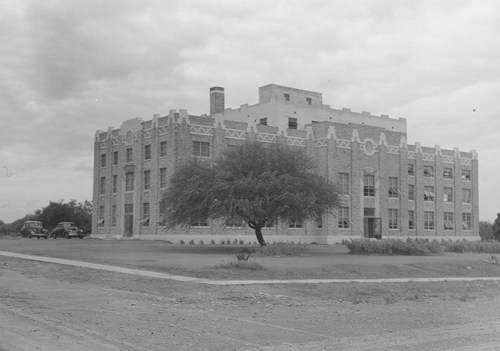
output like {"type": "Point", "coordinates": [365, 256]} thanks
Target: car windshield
{"type": "Point", "coordinates": [33, 224]}
{"type": "Point", "coordinates": [68, 224]}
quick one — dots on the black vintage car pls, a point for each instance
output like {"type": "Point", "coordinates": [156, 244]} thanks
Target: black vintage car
{"type": "Point", "coordinates": [33, 229]}
{"type": "Point", "coordinates": [66, 230]}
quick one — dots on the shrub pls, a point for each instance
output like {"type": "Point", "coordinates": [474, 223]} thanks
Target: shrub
{"type": "Point", "coordinates": [471, 246]}
{"type": "Point", "coordinates": [182, 242]}
{"type": "Point", "coordinates": [282, 250]}
{"type": "Point", "coordinates": [244, 254]}
{"type": "Point", "coordinates": [410, 247]}
{"type": "Point", "coordinates": [191, 242]}
{"type": "Point", "coordinates": [201, 242]}
{"type": "Point", "coordinates": [212, 242]}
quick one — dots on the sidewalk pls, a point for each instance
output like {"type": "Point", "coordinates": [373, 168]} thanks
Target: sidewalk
{"type": "Point", "coordinates": [181, 278]}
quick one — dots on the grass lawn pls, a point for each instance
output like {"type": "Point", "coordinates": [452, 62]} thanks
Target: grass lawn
{"type": "Point", "coordinates": [218, 261]}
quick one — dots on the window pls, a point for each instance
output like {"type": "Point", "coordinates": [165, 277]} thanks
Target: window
{"type": "Point", "coordinates": [428, 172]}
{"type": "Point", "coordinates": [428, 220]}
{"type": "Point", "coordinates": [467, 221]}
{"type": "Point", "coordinates": [234, 223]}
{"type": "Point", "coordinates": [429, 193]}
{"type": "Point", "coordinates": [145, 214]}
{"type": "Point", "coordinates": [102, 185]}
{"type": "Point", "coordinates": [411, 192]}
{"type": "Point", "coordinates": [411, 219]}
{"type": "Point", "coordinates": [129, 155]}
{"type": "Point", "coordinates": [369, 212]}
{"type": "Point", "coordinates": [448, 221]}
{"type": "Point", "coordinates": [292, 123]}
{"type": "Point", "coordinates": [393, 187]}
{"type": "Point", "coordinates": [447, 173]}
{"type": "Point", "coordinates": [295, 223]}
{"type": "Point", "coordinates": [344, 218]}
{"type": "Point", "coordinates": [263, 121]}
{"type": "Point", "coordinates": [467, 198]}
{"type": "Point", "coordinates": [103, 160]}
{"type": "Point", "coordinates": [147, 179]}
{"type": "Point", "coordinates": [163, 148]}
{"type": "Point", "coordinates": [161, 215]}
{"type": "Point", "coordinates": [115, 158]}
{"type": "Point", "coordinates": [115, 184]}
{"type": "Point", "coordinates": [319, 221]}
{"type": "Point", "coordinates": [147, 152]}
{"type": "Point", "coordinates": [113, 215]}
{"type": "Point", "coordinates": [201, 149]}
{"type": "Point", "coordinates": [344, 183]}
{"type": "Point", "coordinates": [465, 174]}
{"type": "Point", "coordinates": [411, 169]}
{"type": "Point", "coordinates": [448, 194]}
{"type": "Point", "coordinates": [309, 100]}
{"type": "Point", "coordinates": [129, 181]}
{"type": "Point", "coordinates": [393, 218]}
{"type": "Point", "coordinates": [200, 223]}
{"type": "Point", "coordinates": [287, 97]}
{"type": "Point", "coordinates": [369, 185]}
{"type": "Point", "coordinates": [100, 222]}
{"type": "Point", "coordinates": [163, 178]}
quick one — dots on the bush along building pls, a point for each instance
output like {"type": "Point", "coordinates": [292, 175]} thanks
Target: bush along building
{"type": "Point", "coordinates": [389, 188]}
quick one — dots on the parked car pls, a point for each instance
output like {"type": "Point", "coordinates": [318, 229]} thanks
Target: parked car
{"type": "Point", "coordinates": [34, 229]}
{"type": "Point", "coordinates": [66, 230]}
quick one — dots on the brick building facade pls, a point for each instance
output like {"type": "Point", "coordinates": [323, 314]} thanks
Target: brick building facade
{"type": "Point", "coordinates": [389, 188]}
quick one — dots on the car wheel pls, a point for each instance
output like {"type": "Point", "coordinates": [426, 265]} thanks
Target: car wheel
{"type": "Point", "coordinates": [29, 236]}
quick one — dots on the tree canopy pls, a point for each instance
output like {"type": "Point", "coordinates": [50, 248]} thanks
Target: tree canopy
{"type": "Point", "coordinates": [262, 184]}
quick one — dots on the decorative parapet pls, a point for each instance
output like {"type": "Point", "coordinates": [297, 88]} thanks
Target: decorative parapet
{"type": "Point", "coordinates": [235, 134]}
{"type": "Point", "coordinates": [201, 130]}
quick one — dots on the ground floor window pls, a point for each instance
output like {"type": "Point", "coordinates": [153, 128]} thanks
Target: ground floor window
{"type": "Point", "coordinates": [429, 220]}
{"type": "Point", "coordinates": [344, 217]}
{"type": "Point", "coordinates": [113, 216]}
{"type": "Point", "coordinates": [200, 223]}
{"type": "Point", "coordinates": [393, 219]}
{"type": "Point", "coordinates": [295, 223]}
{"type": "Point", "coordinates": [411, 219]}
{"type": "Point", "coordinates": [467, 221]}
{"type": "Point", "coordinates": [100, 222]}
{"type": "Point", "coordinates": [448, 221]}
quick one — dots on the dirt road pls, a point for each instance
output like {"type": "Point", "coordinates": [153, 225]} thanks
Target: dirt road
{"type": "Point", "coordinates": [49, 307]}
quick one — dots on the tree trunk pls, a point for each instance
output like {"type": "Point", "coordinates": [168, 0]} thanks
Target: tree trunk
{"type": "Point", "coordinates": [258, 234]}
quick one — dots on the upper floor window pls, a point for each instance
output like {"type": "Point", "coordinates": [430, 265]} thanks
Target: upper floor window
{"type": "Point", "coordinates": [467, 196]}
{"type": "Point", "coordinates": [115, 184]}
{"type": "Point", "coordinates": [465, 174]}
{"type": "Point", "coordinates": [309, 100]}
{"type": "Point", "coordinates": [447, 173]}
{"type": "Point", "coordinates": [429, 193]}
{"type": "Point", "coordinates": [287, 97]}
{"type": "Point", "coordinates": [163, 178]}
{"type": "Point", "coordinates": [147, 152]}
{"type": "Point", "coordinates": [147, 179]}
{"type": "Point", "coordinates": [263, 121]}
{"type": "Point", "coordinates": [201, 149]}
{"type": "Point", "coordinates": [344, 183]}
{"type": "Point", "coordinates": [292, 123]}
{"type": "Point", "coordinates": [411, 192]}
{"type": "Point", "coordinates": [102, 185]}
{"type": "Point", "coordinates": [448, 194]}
{"type": "Point", "coordinates": [129, 181]}
{"type": "Point", "coordinates": [368, 185]}
{"type": "Point", "coordinates": [115, 158]}
{"type": "Point", "coordinates": [163, 148]}
{"type": "Point", "coordinates": [393, 187]}
{"type": "Point", "coordinates": [411, 169]}
{"type": "Point", "coordinates": [369, 212]}
{"type": "Point", "coordinates": [128, 155]}
{"type": "Point", "coordinates": [103, 160]}
{"type": "Point", "coordinates": [428, 172]}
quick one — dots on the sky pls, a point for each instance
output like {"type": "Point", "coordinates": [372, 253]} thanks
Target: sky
{"type": "Point", "coordinates": [71, 67]}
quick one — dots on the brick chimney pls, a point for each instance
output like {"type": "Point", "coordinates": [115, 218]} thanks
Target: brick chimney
{"type": "Point", "coordinates": [216, 100]}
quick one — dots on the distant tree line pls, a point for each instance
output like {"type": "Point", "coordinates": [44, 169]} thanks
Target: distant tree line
{"type": "Point", "coordinates": [53, 213]}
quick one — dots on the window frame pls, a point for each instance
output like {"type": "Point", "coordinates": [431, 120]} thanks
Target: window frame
{"type": "Point", "coordinates": [429, 220]}
{"type": "Point", "coordinates": [393, 189]}
{"type": "Point", "coordinates": [368, 189]}
{"type": "Point", "coordinates": [163, 177]}
{"type": "Point", "coordinates": [295, 223]}
{"type": "Point", "coordinates": [201, 148]}
{"type": "Point", "coordinates": [448, 194]}
{"type": "Point", "coordinates": [411, 169]}
{"type": "Point", "coordinates": [102, 185]}
{"type": "Point", "coordinates": [411, 192]}
{"type": "Point", "coordinates": [411, 220]}
{"type": "Point", "coordinates": [448, 218]}
{"type": "Point", "coordinates": [103, 161]}
{"type": "Point", "coordinates": [344, 216]}
{"type": "Point", "coordinates": [344, 180]}
{"type": "Point", "coordinates": [147, 179]}
{"type": "Point", "coordinates": [466, 196]}
{"type": "Point", "coordinates": [393, 218]}
{"type": "Point", "coordinates": [163, 148]}
{"type": "Point", "coordinates": [467, 221]}
{"type": "Point", "coordinates": [447, 173]}
{"type": "Point", "coordinates": [428, 171]}
{"type": "Point", "coordinates": [129, 155]}
{"type": "Point", "coordinates": [129, 181]}
{"type": "Point", "coordinates": [429, 193]}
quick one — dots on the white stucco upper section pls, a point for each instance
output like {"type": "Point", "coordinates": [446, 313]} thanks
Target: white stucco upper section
{"type": "Point", "coordinates": [278, 104]}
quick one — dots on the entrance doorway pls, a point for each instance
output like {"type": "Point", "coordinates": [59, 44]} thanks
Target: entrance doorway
{"type": "Point", "coordinates": [129, 220]}
{"type": "Point", "coordinates": [372, 227]}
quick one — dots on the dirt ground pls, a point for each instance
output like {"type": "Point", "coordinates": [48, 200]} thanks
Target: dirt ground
{"type": "Point", "coordinates": [46, 306]}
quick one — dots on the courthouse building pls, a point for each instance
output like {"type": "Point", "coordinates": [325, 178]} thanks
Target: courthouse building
{"type": "Point", "coordinates": [389, 188]}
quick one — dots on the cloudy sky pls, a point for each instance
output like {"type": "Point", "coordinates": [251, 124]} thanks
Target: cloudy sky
{"type": "Point", "coordinates": [70, 67]}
